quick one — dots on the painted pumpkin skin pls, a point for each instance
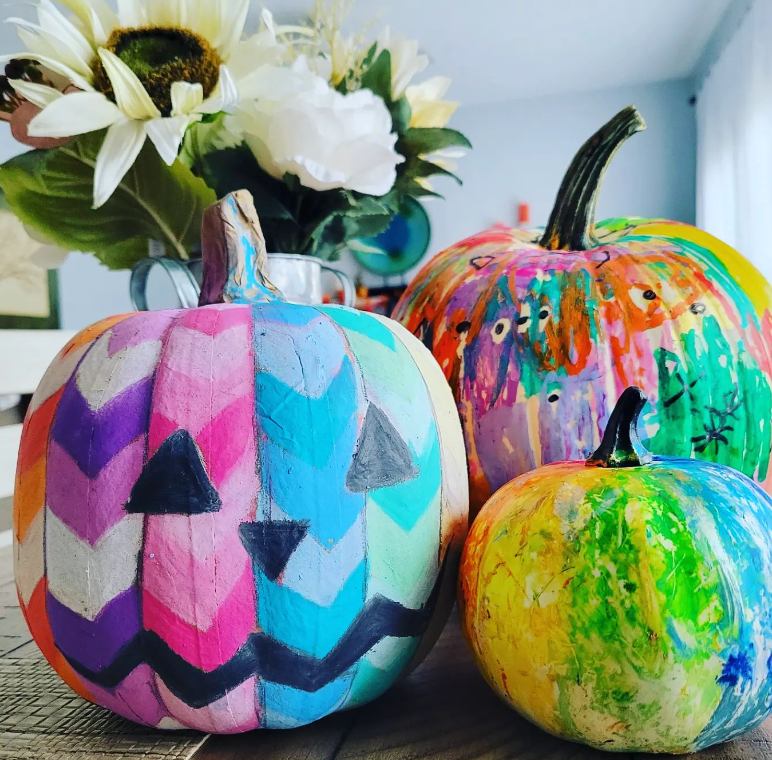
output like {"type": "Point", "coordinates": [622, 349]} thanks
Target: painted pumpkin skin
{"type": "Point", "coordinates": [625, 607]}
{"type": "Point", "coordinates": [246, 515]}
{"type": "Point", "coordinates": [538, 333]}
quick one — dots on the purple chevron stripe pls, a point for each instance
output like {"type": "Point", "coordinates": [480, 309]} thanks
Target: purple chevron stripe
{"type": "Point", "coordinates": [95, 644]}
{"type": "Point", "coordinates": [94, 438]}
{"type": "Point", "coordinates": [99, 503]}
{"type": "Point", "coordinates": [140, 328]}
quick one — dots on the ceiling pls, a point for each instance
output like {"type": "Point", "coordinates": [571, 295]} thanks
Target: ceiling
{"type": "Point", "coordinates": [498, 50]}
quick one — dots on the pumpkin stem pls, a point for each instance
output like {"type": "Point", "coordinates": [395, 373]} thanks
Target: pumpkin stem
{"type": "Point", "coordinates": [572, 223]}
{"type": "Point", "coordinates": [621, 446]}
{"type": "Point", "coordinates": [234, 256]}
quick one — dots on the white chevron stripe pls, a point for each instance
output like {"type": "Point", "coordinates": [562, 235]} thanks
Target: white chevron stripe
{"type": "Point", "coordinates": [102, 377]}
{"type": "Point", "coordinates": [86, 578]}
{"type": "Point", "coordinates": [317, 574]}
{"type": "Point", "coordinates": [455, 482]}
{"type": "Point", "coordinates": [30, 564]}
{"type": "Point", "coordinates": [57, 375]}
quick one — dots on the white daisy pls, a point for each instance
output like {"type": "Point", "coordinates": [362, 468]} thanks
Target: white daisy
{"type": "Point", "coordinates": [148, 71]}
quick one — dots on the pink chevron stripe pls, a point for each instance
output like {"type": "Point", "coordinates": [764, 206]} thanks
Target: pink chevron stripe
{"type": "Point", "coordinates": [135, 700]}
{"type": "Point", "coordinates": [195, 570]}
{"type": "Point", "coordinates": [207, 644]}
{"type": "Point", "coordinates": [232, 714]}
{"type": "Point", "coordinates": [100, 501]}
{"type": "Point", "coordinates": [213, 320]}
{"type": "Point", "coordinates": [213, 550]}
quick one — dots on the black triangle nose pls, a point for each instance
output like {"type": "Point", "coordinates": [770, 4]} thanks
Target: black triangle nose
{"type": "Point", "coordinates": [272, 543]}
{"type": "Point", "coordinates": [174, 481]}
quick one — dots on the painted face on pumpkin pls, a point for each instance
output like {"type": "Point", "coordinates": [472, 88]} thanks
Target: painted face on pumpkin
{"type": "Point", "coordinates": [240, 516]}
{"type": "Point", "coordinates": [558, 322]}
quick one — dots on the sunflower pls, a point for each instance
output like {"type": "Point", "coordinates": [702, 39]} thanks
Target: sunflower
{"type": "Point", "coordinates": [148, 71]}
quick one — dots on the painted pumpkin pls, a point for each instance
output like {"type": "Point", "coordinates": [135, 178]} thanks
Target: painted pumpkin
{"type": "Point", "coordinates": [626, 601]}
{"type": "Point", "coordinates": [539, 332]}
{"type": "Point", "coordinates": [245, 515]}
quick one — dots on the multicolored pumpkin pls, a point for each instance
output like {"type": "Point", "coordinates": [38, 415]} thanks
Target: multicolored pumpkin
{"type": "Point", "coordinates": [246, 515]}
{"type": "Point", "coordinates": [539, 333]}
{"type": "Point", "coordinates": [626, 601]}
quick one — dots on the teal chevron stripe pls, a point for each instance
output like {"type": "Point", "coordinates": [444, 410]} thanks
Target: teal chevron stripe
{"type": "Point", "coordinates": [371, 680]}
{"type": "Point", "coordinates": [362, 323]}
{"type": "Point", "coordinates": [402, 501]}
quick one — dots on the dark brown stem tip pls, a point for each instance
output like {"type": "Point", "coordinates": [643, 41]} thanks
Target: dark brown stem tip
{"type": "Point", "coordinates": [621, 445]}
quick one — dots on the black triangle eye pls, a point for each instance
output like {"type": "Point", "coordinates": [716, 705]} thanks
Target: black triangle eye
{"type": "Point", "coordinates": [174, 481]}
{"type": "Point", "coordinates": [382, 457]}
{"type": "Point", "coordinates": [270, 544]}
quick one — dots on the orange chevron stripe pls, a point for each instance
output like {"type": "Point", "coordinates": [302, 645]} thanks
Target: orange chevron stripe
{"type": "Point", "coordinates": [37, 621]}
{"type": "Point", "coordinates": [30, 489]}
{"type": "Point", "coordinates": [30, 486]}
{"type": "Point", "coordinates": [92, 333]}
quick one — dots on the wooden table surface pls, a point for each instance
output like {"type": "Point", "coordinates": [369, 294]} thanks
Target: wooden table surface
{"type": "Point", "coordinates": [444, 711]}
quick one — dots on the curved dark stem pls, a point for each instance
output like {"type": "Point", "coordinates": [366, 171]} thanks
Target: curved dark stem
{"type": "Point", "coordinates": [621, 446]}
{"type": "Point", "coordinates": [572, 223]}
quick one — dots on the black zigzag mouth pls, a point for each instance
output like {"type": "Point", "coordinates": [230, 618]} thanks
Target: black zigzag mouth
{"type": "Point", "coordinates": [265, 657]}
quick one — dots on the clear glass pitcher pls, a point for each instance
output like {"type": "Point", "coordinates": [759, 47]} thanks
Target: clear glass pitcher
{"type": "Point", "coordinates": [298, 277]}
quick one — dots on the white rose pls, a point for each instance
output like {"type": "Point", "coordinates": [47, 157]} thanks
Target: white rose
{"type": "Point", "coordinates": [302, 126]}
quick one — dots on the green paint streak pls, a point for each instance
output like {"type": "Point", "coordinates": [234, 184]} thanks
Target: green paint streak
{"type": "Point", "coordinates": [727, 402]}
{"type": "Point", "coordinates": [645, 602]}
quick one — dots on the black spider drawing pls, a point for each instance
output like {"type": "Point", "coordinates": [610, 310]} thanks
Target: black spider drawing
{"type": "Point", "coordinates": [684, 389]}
{"type": "Point", "coordinates": [714, 431]}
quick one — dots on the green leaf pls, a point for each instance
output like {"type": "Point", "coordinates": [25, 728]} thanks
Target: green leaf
{"type": "Point", "coordinates": [52, 191]}
{"type": "Point", "coordinates": [346, 215]}
{"type": "Point", "coordinates": [418, 168]}
{"type": "Point", "coordinates": [420, 141]}
{"type": "Point", "coordinates": [401, 113]}
{"type": "Point", "coordinates": [237, 169]}
{"type": "Point", "coordinates": [377, 76]}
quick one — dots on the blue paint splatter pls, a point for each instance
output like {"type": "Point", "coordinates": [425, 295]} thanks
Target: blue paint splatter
{"type": "Point", "coordinates": [738, 666]}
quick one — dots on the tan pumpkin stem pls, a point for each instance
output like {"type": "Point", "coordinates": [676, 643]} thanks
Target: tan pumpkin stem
{"type": "Point", "coordinates": [235, 260]}
{"type": "Point", "coordinates": [571, 226]}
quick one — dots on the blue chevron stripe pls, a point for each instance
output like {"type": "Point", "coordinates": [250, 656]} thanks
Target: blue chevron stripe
{"type": "Point", "coordinates": [290, 708]}
{"type": "Point", "coordinates": [303, 625]}
{"type": "Point", "coordinates": [309, 399]}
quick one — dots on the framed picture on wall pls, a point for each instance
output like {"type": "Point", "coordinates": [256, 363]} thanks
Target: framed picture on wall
{"type": "Point", "coordinates": [29, 297]}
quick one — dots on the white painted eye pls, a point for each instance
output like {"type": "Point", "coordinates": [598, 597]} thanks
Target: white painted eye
{"type": "Point", "coordinates": [544, 314]}
{"type": "Point", "coordinates": [554, 395]}
{"type": "Point", "coordinates": [643, 299]}
{"type": "Point", "coordinates": [524, 318]}
{"type": "Point", "coordinates": [500, 329]}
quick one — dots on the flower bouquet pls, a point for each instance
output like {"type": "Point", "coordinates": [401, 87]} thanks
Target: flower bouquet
{"type": "Point", "coordinates": [141, 119]}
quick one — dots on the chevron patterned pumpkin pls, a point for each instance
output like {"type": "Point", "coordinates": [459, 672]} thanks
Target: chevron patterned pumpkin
{"type": "Point", "coordinates": [245, 515]}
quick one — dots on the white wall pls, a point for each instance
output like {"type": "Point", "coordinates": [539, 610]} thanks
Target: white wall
{"type": "Point", "coordinates": [521, 150]}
